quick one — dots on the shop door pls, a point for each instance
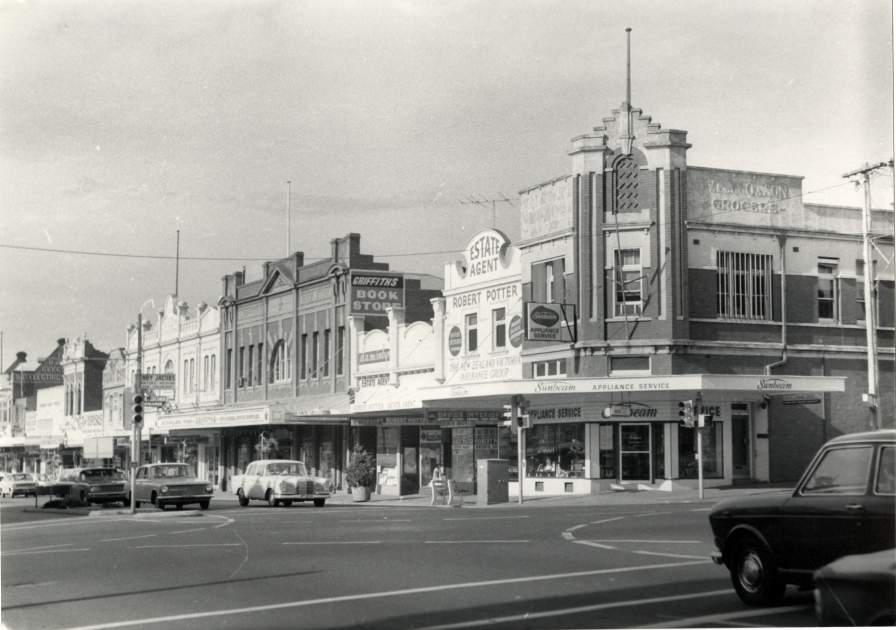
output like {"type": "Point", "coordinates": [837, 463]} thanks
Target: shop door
{"type": "Point", "coordinates": [740, 446]}
{"type": "Point", "coordinates": [410, 473]}
{"type": "Point", "coordinates": [634, 452]}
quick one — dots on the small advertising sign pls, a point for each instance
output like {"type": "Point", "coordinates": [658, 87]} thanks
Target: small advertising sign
{"type": "Point", "coordinates": [550, 322]}
{"type": "Point", "coordinates": [801, 399]}
{"type": "Point", "coordinates": [158, 381]}
{"type": "Point", "coordinates": [372, 293]}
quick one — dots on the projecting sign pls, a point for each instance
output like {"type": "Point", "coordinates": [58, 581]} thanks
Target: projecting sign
{"type": "Point", "coordinates": [373, 293]}
{"type": "Point", "coordinates": [158, 381]}
{"type": "Point", "coordinates": [550, 322]}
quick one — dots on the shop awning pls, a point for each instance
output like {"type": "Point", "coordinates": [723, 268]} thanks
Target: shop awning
{"type": "Point", "coordinates": [583, 390]}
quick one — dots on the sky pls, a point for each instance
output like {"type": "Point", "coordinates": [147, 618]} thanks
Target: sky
{"type": "Point", "coordinates": [126, 122]}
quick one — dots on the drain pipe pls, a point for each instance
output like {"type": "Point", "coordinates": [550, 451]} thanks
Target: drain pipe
{"type": "Point", "coordinates": [782, 241]}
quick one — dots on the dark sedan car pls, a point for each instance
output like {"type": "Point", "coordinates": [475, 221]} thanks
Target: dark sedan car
{"type": "Point", "coordinates": [857, 590]}
{"type": "Point", "coordinates": [843, 505]}
{"type": "Point", "coordinates": [102, 485]}
{"type": "Point", "coordinates": [170, 484]}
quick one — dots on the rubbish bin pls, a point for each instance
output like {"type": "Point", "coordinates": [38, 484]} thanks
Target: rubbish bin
{"type": "Point", "coordinates": [492, 481]}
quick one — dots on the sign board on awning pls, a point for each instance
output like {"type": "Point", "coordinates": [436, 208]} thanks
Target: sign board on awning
{"type": "Point", "coordinates": [801, 399]}
{"type": "Point", "coordinates": [550, 322]}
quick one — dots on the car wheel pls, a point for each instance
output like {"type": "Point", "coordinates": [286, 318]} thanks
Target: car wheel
{"type": "Point", "coordinates": [242, 497]}
{"type": "Point", "coordinates": [754, 574]}
{"type": "Point", "coordinates": [319, 502]}
{"type": "Point", "coordinates": [83, 496]}
{"type": "Point", "coordinates": [269, 497]}
{"type": "Point", "coordinates": [136, 504]}
{"type": "Point", "coordinates": [204, 504]}
{"type": "Point", "coordinates": [179, 506]}
{"type": "Point", "coordinates": [287, 503]}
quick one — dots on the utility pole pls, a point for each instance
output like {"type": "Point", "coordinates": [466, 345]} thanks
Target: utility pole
{"type": "Point", "coordinates": [288, 217]}
{"type": "Point", "coordinates": [871, 398]}
{"type": "Point", "coordinates": [136, 426]}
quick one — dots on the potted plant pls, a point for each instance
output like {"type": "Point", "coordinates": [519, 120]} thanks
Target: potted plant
{"type": "Point", "coordinates": [361, 473]}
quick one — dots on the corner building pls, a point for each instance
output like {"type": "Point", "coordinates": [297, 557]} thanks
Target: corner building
{"type": "Point", "coordinates": [689, 283]}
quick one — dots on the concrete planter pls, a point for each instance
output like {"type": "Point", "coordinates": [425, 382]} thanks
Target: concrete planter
{"type": "Point", "coordinates": [360, 494]}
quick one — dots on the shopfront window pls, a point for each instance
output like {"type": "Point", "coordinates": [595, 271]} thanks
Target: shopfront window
{"type": "Point", "coordinates": [712, 452]}
{"type": "Point", "coordinates": [387, 455]}
{"type": "Point", "coordinates": [634, 451]}
{"type": "Point", "coordinates": [430, 453]}
{"type": "Point", "coordinates": [607, 443]}
{"type": "Point", "coordinates": [462, 460]}
{"type": "Point", "coordinates": [508, 449]}
{"type": "Point", "coordinates": [556, 450]}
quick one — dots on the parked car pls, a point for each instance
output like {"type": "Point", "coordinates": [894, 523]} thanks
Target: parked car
{"type": "Point", "coordinates": [42, 480]}
{"type": "Point", "coordinates": [280, 481]}
{"type": "Point", "coordinates": [170, 484]}
{"type": "Point", "coordinates": [103, 485]}
{"type": "Point", "coordinates": [857, 590]}
{"type": "Point", "coordinates": [842, 505]}
{"type": "Point", "coordinates": [14, 483]}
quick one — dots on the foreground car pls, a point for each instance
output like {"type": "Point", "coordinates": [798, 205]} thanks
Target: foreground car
{"type": "Point", "coordinates": [857, 590]}
{"type": "Point", "coordinates": [170, 484]}
{"type": "Point", "coordinates": [843, 504]}
{"type": "Point", "coordinates": [280, 481]}
{"type": "Point", "coordinates": [12, 484]}
{"type": "Point", "coordinates": [102, 485]}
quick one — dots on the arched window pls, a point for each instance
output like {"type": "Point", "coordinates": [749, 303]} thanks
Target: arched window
{"type": "Point", "coordinates": [186, 377]}
{"type": "Point", "coordinates": [192, 375]}
{"type": "Point", "coordinates": [281, 364]}
{"type": "Point", "coordinates": [169, 367]}
{"type": "Point", "coordinates": [211, 378]}
{"type": "Point", "coordinates": [625, 189]}
{"type": "Point", "coordinates": [205, 373]}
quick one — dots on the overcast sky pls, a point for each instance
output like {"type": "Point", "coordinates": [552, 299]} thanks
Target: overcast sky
{"type": "Point", "coordinates": [125, 121]}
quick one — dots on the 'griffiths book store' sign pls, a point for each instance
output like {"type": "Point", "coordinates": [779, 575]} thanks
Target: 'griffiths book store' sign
{"type": "Point", "coordinates": [372, 294]}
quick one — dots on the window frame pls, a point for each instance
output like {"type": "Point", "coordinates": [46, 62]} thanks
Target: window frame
{"type": "Point", "coordinates": [471, 332]}
{"type": "Point", "coordinates": [744, 286]}
{"type": "Point", "coordinates": [499, 328]}
{"type": "Point", "coordinates": [560, 366]}
{"type": "Point", "coordinates": [834, 278]}
{"type": "Point", "coordinates": [620, 268]}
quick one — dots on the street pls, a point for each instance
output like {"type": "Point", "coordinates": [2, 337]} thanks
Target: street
{"type": "Point", "coordinates": [374, 566]}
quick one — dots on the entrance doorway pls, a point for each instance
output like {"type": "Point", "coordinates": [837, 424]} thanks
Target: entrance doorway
{"type": "Point", "coordinates": [740, 440]}
{"type": "Point", "coordinates": [634, 452]}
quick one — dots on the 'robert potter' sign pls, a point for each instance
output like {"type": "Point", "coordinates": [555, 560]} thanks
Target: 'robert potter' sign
{"type": "Point", "coordinates": [373, 293]}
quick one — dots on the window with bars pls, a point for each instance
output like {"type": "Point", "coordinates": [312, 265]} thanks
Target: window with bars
{"type": "Point", "coordinates": [744, 285]}
{"type": "Point", "coordinates": [627, 274]}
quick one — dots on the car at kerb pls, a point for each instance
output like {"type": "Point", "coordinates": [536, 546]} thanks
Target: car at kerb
{"type": "Point", "coordinates": [170, 484]}
{"type": "Point", "coordinates": [280, 481]}
{"type": "Point", "coordinates": [99, 484]}
{"type": "Point", "coordinates": [857, 590]}
{"type": "Point", "coordinates": [842, 505]}
{"type": "Point", "coordinates": [15, 483]}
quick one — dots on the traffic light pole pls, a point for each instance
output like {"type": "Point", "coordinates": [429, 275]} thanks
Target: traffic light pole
{"type": "Point", "coordinates": [520, 461]}
{"type": "Point", "coordinates": [136, 426]}
{"type": "Point", "coordinates": [698, 430]}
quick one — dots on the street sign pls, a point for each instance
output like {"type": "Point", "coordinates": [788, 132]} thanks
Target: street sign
{"type": "Point", "coordinates": [154, 401]}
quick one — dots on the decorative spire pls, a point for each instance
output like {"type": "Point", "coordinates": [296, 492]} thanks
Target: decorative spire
{"type": "Point", "coordinates": [625, 131]}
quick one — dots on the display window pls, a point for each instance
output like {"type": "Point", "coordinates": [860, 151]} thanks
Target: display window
{"type": "Point", "coordinates": [634, 452]}
{"type": "Point", "coordinates": [556, 450]}
{"type": "Point", "coordinates": [713, 467]}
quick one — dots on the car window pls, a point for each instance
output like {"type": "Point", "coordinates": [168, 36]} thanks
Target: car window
{"type": "Point", "coordinates": [20, 477]}
{"type": "Point", "coordinates": [886, 472]}
{"type": "Point", "coordinates": [251, 469]}
{"type": "Point", "coordinates": [841, 471]}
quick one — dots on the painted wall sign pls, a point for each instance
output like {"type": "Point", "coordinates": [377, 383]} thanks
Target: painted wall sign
{"type": "Point", "coordinates": [480, 369]}
{"type": "Point", "coordinates": [743, 197]}
{"type": "Point", "coordinates": [373, 381]}
{"type": "Point", "coordinates": [373, 356]}
{"type": "Point", "coordinates": [210, 420]}
{"type": "Point", "coordinates": [372, 294]}
{"type": "Point", "coordinates": [550, 322]}
{"type": "Point", "coordinates": [516, 331]}
{"type": "Point", "coordinates": [546, 209]}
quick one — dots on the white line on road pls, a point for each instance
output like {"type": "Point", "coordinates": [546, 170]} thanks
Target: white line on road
{"type": "Point", "coordinates": [483, 518]}
{"type": "Point", "coordinates": [185, 531]}
{"type": "Point", "coordinates": [593, 544]}
{"type": "Point", "coordinates": [346, 542]}
{"type": "Point", "coordinates": [650, 514]}
{"type": "Point", "coordinates": [130, 538]}
{"type": "Point", "coordinates": [473, 542]}
{"type": "Point", "coordinates": [702, 510]}
{"type": "Point", "coordinates": [607, 520]}
{"type": "Point", "coordinates": [197, 545]}
{"type": "Point", "coordinates": [410, 591]}
{"type": "Point", "coordinates": [25, 553]}
{"type": "Point", "coordinates": [661, 542]}
{"type": "Point", "coordinates": [368, 520]}
{"type": "Point", "coordinates": [568, 536]}
{"type": "Point", "coordinates": [47, 547]}
{"type": "Point", "coordinates": [572, 529]}
{"type": "Point", "coordinates": [671, 555]}
{"type": "Point", "coordinates": [575, 611]}
{"type": "Point", "coordinates": [716, 621]}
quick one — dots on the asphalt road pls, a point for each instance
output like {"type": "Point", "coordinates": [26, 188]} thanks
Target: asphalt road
{"type": "Point", "coordinates": [361, 567]}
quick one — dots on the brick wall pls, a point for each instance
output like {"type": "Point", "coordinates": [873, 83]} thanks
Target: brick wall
{"type": "Point", "coordinates": [703, 289]}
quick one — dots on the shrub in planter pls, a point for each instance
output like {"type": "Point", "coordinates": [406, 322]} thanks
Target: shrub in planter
{"type": "Point", "coordinates": [361, 470]}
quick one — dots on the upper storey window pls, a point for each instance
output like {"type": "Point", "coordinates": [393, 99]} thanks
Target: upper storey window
{"type": "Point", "coordinates": [828, 290]}
{"type": "Point", "coordinates": [549, 281]}
{"type": "Point", "coordinates": [744, 285]}
{"type": "Point", "coordinates": [625, 185]}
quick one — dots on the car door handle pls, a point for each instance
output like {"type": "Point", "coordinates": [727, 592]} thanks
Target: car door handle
{"type": "Point", "coordinates": [855, 507]}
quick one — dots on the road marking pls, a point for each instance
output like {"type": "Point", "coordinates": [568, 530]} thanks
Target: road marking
{"type": "Point", "coordinates": [184, 531]}
{"type": "Point", "coordinates": [568, 536]}
{"type": "Point", "coordinates": [483, 518]}
{"type": "Point", "coordinates": [572, 529]}
{"type": "Point", "coordinates": [24, 553]}
{"type": "Point", "coordinates": [385, 520]}
{"type": "Point", "coordinates": [661, 542]}
{"type": "Point", "coordinates": [131, 538]}
{"type": "Point", "coordinates": [593, 544]}
{"type": "Point", "coordinates": [670, 555]}
{"type": "Point", "coordinates": [410, 591]}
{"type": "Point", "coordinates": [197, 545]}
{"type": "Point", "coordinates": [618, 518]}
{"type": "Point", "coordinates": [703, 510]}
{"type": "Point", "coordinates": [347, 542]}
{"type": "Point", "coordinates": [650, 514]}
{"type": "Point", "coordinates": [47, 547]}
{"type": "Point", "coordinates": [714, 620]}
{"type": "Point", "coordinates": [464, 542]}
{"type": "Point", "coordinates": [578, 610]}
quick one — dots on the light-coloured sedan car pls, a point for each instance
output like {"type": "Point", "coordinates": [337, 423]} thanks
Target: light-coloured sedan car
{"type": "Point", "coordinates": [280, 481]}
{"type": "Point", "coordinates": [170, 484]}
{"type": "Point", "coordinates": [12, 484]}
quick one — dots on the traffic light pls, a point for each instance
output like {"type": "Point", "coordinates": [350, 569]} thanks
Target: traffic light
{"type": "Point", "coordinates": [508, 416]}
{"type": "Point", "coordinates": [137, 410]}
{"type": "Point", "coordinates": [522, 418]}
{"type": "Point", "coordinates": [686, 413]}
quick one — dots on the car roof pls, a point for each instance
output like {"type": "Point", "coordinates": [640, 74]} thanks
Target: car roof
{"type": "Point", "coordinates": [884, 435]}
